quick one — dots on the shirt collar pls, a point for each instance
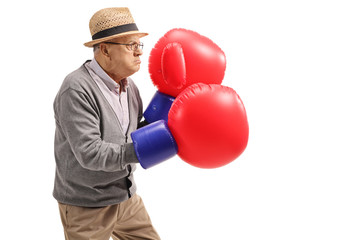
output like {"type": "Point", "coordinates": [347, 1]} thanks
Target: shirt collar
{"type": "Point", "coordinates": [109, 82]}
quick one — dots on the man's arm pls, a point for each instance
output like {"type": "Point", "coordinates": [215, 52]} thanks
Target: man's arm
{"type": "Point", "coordinates": [81, 126]}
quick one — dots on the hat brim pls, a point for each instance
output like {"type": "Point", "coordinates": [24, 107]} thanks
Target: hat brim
{"type": "Point", "coordinates": [100, 40]}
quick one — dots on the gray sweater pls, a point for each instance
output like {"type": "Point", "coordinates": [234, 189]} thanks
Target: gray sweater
{"type": "Point", "coordinates": [95, 160]}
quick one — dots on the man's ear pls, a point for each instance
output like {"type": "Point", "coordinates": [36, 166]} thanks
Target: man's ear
{"type": "Point", "coordinates": [104, 49]}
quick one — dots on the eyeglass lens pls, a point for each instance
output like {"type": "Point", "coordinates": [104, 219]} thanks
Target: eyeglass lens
{"type": "Point", "coordinates": [136, 46]}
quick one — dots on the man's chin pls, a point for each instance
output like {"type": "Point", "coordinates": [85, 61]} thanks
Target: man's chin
{"type": "Point", "coordinates": [137, 68]}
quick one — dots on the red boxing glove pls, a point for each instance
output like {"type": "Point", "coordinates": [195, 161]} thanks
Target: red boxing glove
{"type": "Point", "coordinates": [183, 57]}
{"type": "Point", "coordinates": [179, 59]}
{"type": "Point", "coordinates": [209, 124]}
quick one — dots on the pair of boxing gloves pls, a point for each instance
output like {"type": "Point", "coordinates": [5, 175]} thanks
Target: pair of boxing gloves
{"type": "Point", "coordinates": [191, 114]}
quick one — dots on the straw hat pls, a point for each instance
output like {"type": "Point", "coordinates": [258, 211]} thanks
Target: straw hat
{"type": "Point", "coordinates": [111, 23]}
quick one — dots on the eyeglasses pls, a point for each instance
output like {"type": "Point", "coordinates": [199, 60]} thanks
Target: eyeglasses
{"type": "Point", "coordinates": [130, 46]}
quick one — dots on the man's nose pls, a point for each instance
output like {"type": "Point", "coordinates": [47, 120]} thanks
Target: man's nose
{"type": "Point", "coordinates": [138, 52]}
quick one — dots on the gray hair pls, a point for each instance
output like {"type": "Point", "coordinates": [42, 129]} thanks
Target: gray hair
{"type": "Point", "coordinates": [95, 47]}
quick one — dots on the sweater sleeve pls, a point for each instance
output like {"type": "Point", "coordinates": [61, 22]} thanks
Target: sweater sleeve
{"type": "Point", "coordinates": [80, 125]}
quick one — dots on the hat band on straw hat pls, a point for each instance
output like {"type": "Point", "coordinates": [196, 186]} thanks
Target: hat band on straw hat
{"type": "Point", "coordinates": [115, 30]}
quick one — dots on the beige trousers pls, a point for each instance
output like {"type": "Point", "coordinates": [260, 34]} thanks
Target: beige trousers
{"type": "Point", "coordinates": [124, 221]}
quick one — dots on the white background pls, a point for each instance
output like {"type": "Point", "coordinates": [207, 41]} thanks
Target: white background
{"type": "Point", "coordinates": [295, 64]}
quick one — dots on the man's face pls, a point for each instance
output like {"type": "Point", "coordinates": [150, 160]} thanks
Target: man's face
{"type": "Point", "coordinates": [123, 61]}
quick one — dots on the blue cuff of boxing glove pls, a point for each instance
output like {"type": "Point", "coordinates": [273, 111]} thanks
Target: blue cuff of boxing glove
{"type": "Point", "coordinates": [154, 144]}
{"type": "Point", "coordinates": [159, 107]}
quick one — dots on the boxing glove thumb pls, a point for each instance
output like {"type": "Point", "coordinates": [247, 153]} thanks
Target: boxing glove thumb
{"type": "Point", "coordinates": [154, 144]}
{"type": "Point", "coordinates": [173, 65]}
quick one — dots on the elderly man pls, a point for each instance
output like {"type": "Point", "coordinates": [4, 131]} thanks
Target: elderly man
{"type": "Point", "coordinates": [96, 109]}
